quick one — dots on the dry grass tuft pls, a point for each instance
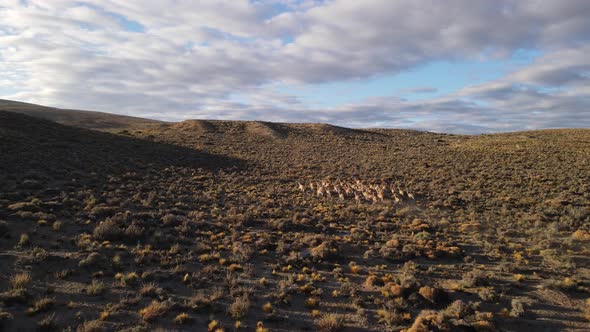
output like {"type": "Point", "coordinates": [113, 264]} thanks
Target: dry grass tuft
{"type": "Point", "coordinates": [20, 281]}
{"type": "Point", "coordinates": [154, 310]}
{"type": "Point", "coordinates": [329, 322]}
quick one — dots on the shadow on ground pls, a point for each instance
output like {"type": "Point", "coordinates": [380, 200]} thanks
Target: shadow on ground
{"type": "Point", "coordinates": [36, 152]}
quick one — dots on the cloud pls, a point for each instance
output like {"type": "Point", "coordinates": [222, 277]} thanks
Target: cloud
{"type": "Point", "coordinates": [180, 59]}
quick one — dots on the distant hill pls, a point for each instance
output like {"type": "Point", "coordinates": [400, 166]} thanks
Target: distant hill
{"type": "Point", "coordinates": [115, 123]}
{"type": "Point", "coordinates": [84, 119]}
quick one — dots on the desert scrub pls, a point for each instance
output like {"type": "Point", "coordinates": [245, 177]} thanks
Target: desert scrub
{"type": "Point", "coordinates": [57, 225]}
{"type": "Point", "coordinates": [107, 230]}
{"type": "Point", "coordinates": [433, 295]}
{"type": "Point", "coordinates": [150, 289]}
{"type": "Point", "coordinates": [586, 309]}
{"type": "Point", "coordinates": [429, 320]}
{"type": "Point", "coordinates": [392, 318]}
{"type": "Point", "coordinates": [154, 310]}
{"type": "Point", "coordinates": [96, 288]}
{"type": "Point", "coordinates": [239, 307]}
{"type": "Point", "coordinates": [47, 323]}
{"type": "Point", "coordinates": [267, 308]}
{"type": "Point", "coordinates": [91, 326]}
{"type": "Point", "coordinates": [312, 302]}
{"type": "Point", "coordinates": [517, 308]}
{"type": "Point", "coordinates": [182, 318]}
{"type": "Point", "coordinates": [23, 241]}
{"type": "Point", "coordinates": [20, 281]}
{"type": "Point", "coordinates": [329, 322]}
{"type": "Point", "coordinates": [41, 305]}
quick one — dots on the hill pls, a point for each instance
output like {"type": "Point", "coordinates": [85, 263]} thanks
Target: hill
{"type": "Point", "coordinates": [84, 119]}
{"type": "Point", "coordinates": [200, 224]}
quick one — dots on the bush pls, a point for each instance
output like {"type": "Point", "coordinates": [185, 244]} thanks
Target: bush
{"type": "Point", "coordinates": [107, 230]}
{"type": "Point", "coordinates": [154, 310]}
{"type": "Point", "coordinates": [239, 307]}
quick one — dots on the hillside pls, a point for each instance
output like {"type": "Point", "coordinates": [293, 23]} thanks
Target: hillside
{"type": "Point", "coordinates": [85, 119]}
{"type": "Point", "coordinates": [202, 224]}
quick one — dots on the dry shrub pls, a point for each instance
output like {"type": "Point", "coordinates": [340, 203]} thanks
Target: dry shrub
{"type": "Point", "coordinates": [20, 281]}
{"type": "Point", "coordinates": [329, 322]}
{"type": "Point", "coordinates": [239, 307]}
{"type": "Point", "coordinates": [428, 320]}
{"type": "Point", "coordinates": [586, 309]}
{"type": "Point", "coordinates": [154, 310]}
{"type": "Point", "coordinates": [433, 295]}
{"type": "Point", "coordinates": [91, 326]}
{"type": "Point", "coordinates": [107, 230]}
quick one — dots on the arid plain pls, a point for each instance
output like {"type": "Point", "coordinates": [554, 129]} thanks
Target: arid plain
{"type": "Point", "coordinates": [119, 223]}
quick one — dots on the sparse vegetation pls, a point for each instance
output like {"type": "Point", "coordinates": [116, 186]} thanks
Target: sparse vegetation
{"type": "Point", "coordinates": [211, 225]}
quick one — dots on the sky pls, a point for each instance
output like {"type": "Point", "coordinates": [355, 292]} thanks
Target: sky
{"type": "Point", "coordinates": [454, 66]}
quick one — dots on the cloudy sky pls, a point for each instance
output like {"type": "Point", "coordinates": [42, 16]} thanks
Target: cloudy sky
{"type": "Point", "coordinates": [461, 66]}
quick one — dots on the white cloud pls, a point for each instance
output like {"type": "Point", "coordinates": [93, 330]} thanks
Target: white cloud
{"type": "Point", "coordinates": [189, 58]}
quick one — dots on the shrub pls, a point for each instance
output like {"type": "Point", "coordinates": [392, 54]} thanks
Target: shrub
{"type": "Point", "coordinates": [95, 288]}
{"type": "Point", "coordinates": [20, 281]}
{"type": "Point", "coordinates": [107, 230]}
{"type": "Point", "coordinates": [48, 323]}
{"type": "Point", "coordinates": [23, 241]}
{"type": "Point", "coordinates": [586, 309]}
{"type": "Point", "coordinates": [267, 307]}
{"type": "Point", "coordinates": [154, 310]}
{"type": "Point", "coordinates": [239, 307]}
{"type": "Point", "coordinates": [329, 322]}
{"type": "Point", "coordinates": [182, 318]}
{"type": "Point", "coordinates": [433, 295]}
{"type": "Point", "coordinates": [517, 309]}
{"type": "Point", "coordinates": [428, 320]}
{"type": "Point", "coordinates": [57, 225]}
{"type": "Point", "coordinates": [91, 326]}
{"type": "Point", "coordinates": [41, 305]}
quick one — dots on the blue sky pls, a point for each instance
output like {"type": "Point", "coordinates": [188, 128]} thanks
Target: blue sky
{"type": "Point", "coordinates": [443, 77]}
{"type": "Point", "coordinates": [455, 66]}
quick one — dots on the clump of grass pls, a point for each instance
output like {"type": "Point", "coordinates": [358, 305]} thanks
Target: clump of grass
{"type": "Point", "coordinates": [149, 289]}
{"type": "Point", "coordinates": [23, 241]}
{"type": "Point", "coordinates": [312, 302]}
{"type": "Point", "coordinates": [213, 326]}
{"type": "Point", "coordinates": [517, 309]}
{"type": "Point", "coordinates": [107, 230]}
{"type": "Point", "coordinates": [586, 309]}
{"type": "Point", "coordinates": [5, 316]}
{"type": "Point", "coordinates": [20, 281]}
{"type": "Point", "coordinates": [182, 318]}
{"type": "Point", "coordinates": [239, 307]}
{"type": "Point", "coordinates": [48, 323]}
{"type": "Point", "coordinates": [429, 320]}
{"type": "Point", "coordinates": [154, 310]}
{"type": "Point", "coordinates": [91, 326]}
{"type": "Point", "coordinates": [96, 288]}
{"type": "Point", "coordinates": [458, 309]}
{"type": "Point", "coordinates": [267, 308]}
{"type": "Point", "coordinates": [474, 278]}
{"type": "Point", "coordinates": [130, 278]}
{"type": "Point", "coordinates": [57, 225]}
{"type": "Point", "coordinates": [329, 322]}
{"type": "Point", "coordinates": [91, 260]}
{"type": "Point", "coordinates": [392, 318]}
{"type": "Point", "coordinates": [433, 295]}
{"type": "Point", "coordinates": [260, 327]}
{"type": "Point", "coordinates": [41, 305]}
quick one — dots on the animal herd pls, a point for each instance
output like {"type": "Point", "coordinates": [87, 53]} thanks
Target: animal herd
{"type": "Point", "coordinates": [355, 190]}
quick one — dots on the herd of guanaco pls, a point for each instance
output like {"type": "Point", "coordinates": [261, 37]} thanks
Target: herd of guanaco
{"type": "Point", "coordinates": [356, 190]}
